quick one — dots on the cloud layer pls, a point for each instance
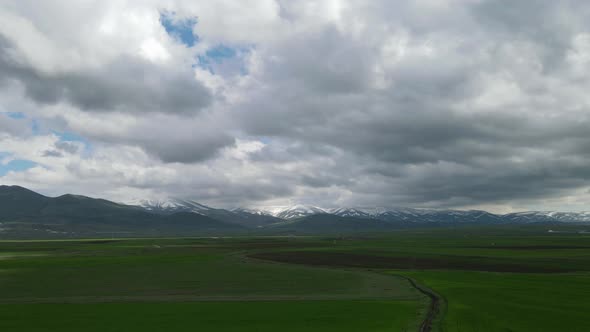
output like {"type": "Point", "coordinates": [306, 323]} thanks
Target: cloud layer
{"type": "Point", "coordinates": [457, 103]}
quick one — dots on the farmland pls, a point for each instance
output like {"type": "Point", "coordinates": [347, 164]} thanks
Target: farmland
{"type": "Point", "coordinates": [487, 279]}
{"type": "Point", "coordinates": [187, 284]}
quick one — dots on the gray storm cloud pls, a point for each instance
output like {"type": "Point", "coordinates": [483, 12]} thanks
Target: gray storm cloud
{"type": "Point", "coordinates": [125, 84]}
{"type": "Point", "coordinates": [439, 104]}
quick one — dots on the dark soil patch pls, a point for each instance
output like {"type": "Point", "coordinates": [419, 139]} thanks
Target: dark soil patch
{"type": "Point", "coordinates": [406, 263]}
{"type": "Point", "coordinates": [269, 245]}
{"type": "Point", "coordinates": [532, 247]}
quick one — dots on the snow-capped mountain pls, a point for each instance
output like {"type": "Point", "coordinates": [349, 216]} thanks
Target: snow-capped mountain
{"type": "Point", "coordinates": [351, 212]}
{"type": "Point", "coordinates": [250, 211]}
{"type": "Point", "coordinates": [244, 217]}
{"type": "Point", "coordinates": [260, 216]}
{"type": "Point", "coordinates": [378, 213]}
{"type": "Point", "coordinates": [171, 205]}
{"type": "Point", "coordinates": [298, 211]}
{"type": "Point", "coordinates": [547, 216]}
{"type": "Point", "coordinates": [286, 212]}
{"type": "Point", "coordinates": [449, 216]}
{"type": "Point", "coordinates": [416, 215]}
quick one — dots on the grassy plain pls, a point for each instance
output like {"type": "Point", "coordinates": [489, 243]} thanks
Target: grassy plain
{"type": "Point", "coordinates": [191, 284]}
{"type": "Point", "coordinates": [487, 301]}
{"type": "Point", "coordinates": [262, 316]}
{"type": "Point", "coordinates": [488, 279]}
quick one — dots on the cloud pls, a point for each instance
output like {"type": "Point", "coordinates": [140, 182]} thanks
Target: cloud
{"type": "Point", "coordinates": [61, 148]}
{"type": "Point", "coordinates": [52, 153]}
{"type": "Point", "coordinates": [13, 126]}
{"type": "Point", "coordinates": [67, 147]}
{"type": "Point", "coordinates": [430, 103]}
{"type": "Point", "coordinates": [420, 115]}
{"type": "Point", "coordinates": [125, 84]}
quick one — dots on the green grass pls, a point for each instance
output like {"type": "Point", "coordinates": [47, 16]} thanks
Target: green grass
{"type": "Point", "coordinates": [202, 284]}
{"type": "Point", "coordinates": [492, 301]}
{"type": "Point", "coordinates": [191, 285]}
{"type": "Point", "coordinates": [274, 316]}
{"type": "Point", "coordinates": [484, 301]}
{"type": "Point", "coordinates": [165, 272]}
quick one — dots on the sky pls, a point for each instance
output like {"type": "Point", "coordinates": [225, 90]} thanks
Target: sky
{"type": "Point", "coordinates": [467, 104]}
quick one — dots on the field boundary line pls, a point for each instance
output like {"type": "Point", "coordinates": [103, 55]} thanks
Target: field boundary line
{"type": "Point", "coordinates": [437, 303]}
{"type": "Point", "coordinates": [434, 308]}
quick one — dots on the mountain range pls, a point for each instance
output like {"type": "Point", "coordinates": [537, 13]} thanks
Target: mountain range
{"type": "Point", "coordinates": [25, 213]}
{"type": "Point", "coordinates": [276, 214]}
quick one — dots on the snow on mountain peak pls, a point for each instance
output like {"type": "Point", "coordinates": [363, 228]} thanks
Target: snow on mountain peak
{"type": "Point", "coordinates": [170, 205]}
{"type": "Point", "coordinates": [287, 212]}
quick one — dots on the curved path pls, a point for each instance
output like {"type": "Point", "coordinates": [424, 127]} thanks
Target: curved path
{"type": "Point", "coordinates": [434, 308]}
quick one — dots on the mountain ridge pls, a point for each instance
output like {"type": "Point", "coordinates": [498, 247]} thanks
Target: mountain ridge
{"type": "Point", "coordinates": [23, 211]}
{"type": "Point", "coordinates": [291, 212]}
{"type": "Point", "coordinates": [26, 213]}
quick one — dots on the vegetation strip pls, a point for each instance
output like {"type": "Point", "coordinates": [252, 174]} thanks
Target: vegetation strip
{"type": "Point", "coordinates": [348, 259]}
{"type": "Point", "coordinates": [187, 298]}
{"type": "Point", "coordinates": [434, 306]}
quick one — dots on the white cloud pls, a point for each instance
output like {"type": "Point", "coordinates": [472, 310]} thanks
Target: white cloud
{"type": "Point", "coordinates": [422, 103]}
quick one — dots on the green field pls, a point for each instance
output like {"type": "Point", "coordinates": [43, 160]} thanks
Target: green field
{"type": "Point", "coordinates": [484, 301]}
{"type": "Point", "coordinates": [487, 279]}
{"type": "Point", "coordinates": [344, 315]}
{"type": "Point", "coordinates": [188, 284]}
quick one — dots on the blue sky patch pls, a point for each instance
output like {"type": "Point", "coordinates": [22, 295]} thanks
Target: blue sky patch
{"type": "Point", "coordinates": [180, 29]}
{"type": "Point", "coordinates": [69, 136]}
{"type": "Point", "coordinates": [215, 56]}
{"type": "Point", "coordinates": [220, 52]}
{"type": "Point", "coordinates": [17, 165]}
{"type": "Point", "coordinates": [35, 127]}
{"type": "Point", "coordinates": [15, 115]}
